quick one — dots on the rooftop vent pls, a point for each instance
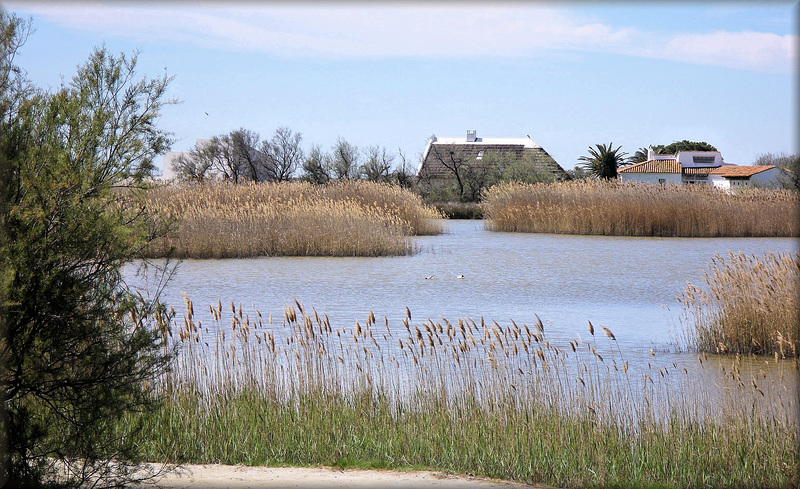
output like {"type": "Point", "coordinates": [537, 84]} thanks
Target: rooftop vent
{"type": "Point", "coordinates": [471, 136]}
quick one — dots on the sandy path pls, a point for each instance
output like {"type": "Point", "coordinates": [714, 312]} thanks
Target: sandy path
{"type": "Point", "coordinates": [241, 477]}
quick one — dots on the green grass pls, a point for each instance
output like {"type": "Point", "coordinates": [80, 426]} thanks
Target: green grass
{"type": "Point", "coordinates": [492, 400]}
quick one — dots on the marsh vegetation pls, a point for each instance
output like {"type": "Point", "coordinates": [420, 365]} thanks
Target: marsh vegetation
{"type": "Point", "coordinates": [345, 218]}
{"type": "Point", "coordinates": [471, 395]}
{"type": "Point", "coordinates": [594, 207]}
{"type": "Point", "coordinates": [746, 304]}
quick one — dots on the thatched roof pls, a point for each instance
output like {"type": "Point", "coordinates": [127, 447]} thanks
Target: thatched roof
{"type": "Point", "coordinates": [443, 152]}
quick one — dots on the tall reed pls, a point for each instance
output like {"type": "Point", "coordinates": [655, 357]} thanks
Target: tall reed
{"type": "Point", "coordinates": [353, 218]}
{"type": "Point", "coordinates": [639, 209]}
{"type": "Point", "coordinates": [747, 304]}
{"type": "Point", "coordinates": [472, 396]}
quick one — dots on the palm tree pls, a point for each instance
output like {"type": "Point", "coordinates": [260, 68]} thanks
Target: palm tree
{"type": "Point", "coordinates": [603, 161]}
{"type": "Point", "coordinates": [639, 156]}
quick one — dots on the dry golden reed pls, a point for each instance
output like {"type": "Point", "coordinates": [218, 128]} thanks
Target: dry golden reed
{"type": "Point", "coordinates": [352, 218]}
{"type": "Point", "coordinates": [747, 305]}
{"type": "Point", "coordinates": [595, 207]}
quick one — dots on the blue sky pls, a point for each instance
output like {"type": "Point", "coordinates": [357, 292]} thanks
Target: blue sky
{"type": "Point", "coordinates": [570, 74]}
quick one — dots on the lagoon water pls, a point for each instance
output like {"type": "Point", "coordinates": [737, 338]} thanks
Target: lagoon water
{"type": "Point", "coordinates": [628, 284]}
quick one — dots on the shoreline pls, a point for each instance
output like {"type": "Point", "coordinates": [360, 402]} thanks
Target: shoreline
{"type": "Point", "coordinates": [216, 476]}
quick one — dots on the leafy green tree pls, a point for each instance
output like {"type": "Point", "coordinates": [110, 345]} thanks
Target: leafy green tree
{"type": "Point", "coordinates": [525, 171]}
{"type": "Point", "coordinates": [685, 145]}
{"type": "Point", "coordinates": [638, 157]}
{"type": "Point", "coordinates": [78, 348]}
{"type": "Point", "coordinates": [603, 160]}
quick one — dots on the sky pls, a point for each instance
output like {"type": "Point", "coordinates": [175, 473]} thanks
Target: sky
{"type": "Point", "coordinates": [570, 74]}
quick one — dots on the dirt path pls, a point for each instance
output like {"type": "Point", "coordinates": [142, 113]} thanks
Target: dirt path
{"type": "Point", "coordinates": [241, 477]}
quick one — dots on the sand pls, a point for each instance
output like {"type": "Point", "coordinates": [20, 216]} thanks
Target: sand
{"type": "Point", "coordinates": [241, 477]}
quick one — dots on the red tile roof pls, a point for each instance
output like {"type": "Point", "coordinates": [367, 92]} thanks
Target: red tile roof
{"type": "Point", "coordinates": [740, 170]}
{"type": "Point", "coordinates": [653, 166]}
{"type": "Point", "coordinates": [698, 170]}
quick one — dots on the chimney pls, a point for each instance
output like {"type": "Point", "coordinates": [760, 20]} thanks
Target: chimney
{"type": "Point", "coordinates": [471, 136]}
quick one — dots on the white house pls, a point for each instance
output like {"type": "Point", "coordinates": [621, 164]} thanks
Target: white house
{"type": "Point", "coordinates": [736, 176]}
{"type": "Point", "coordinates": [684, 167]}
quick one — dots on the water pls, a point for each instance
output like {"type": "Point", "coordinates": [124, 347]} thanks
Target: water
{"type": "Point", "coordinates": [628, 284]}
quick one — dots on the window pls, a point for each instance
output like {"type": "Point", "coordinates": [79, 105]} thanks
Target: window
{"type": "Point", "coordinates": [703, 160]}
{"type": "Point", "coordinates": [480, 155]}
{"type": "Point", "coordinates": [662, 181]}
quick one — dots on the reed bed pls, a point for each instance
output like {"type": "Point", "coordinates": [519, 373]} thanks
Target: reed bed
{"type": "Point", "coordinates": [596, 207]}
{"type": "Point", "coordinates": [352, 218]}
{"type": "Point", "coordinates": [746, 305]}
{"type": "Point", "coordinates": [471, 396]}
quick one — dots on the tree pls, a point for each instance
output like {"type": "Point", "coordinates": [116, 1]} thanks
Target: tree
{"type": "Point", "coordinates": [638, 157]}
{"type": "Point", "coordinates": [236, 156]}
{"type": "Point", "coordinates": [603, 160]}
{"type": "Point", "coordinates": [317, 167]}
{"type": "Point", "coordinates": [685, 145]}
{"type": "Point", "coordinates": [579, 173]}
{"type": "Point", "coordinates": [78, 347]}
{"type": "Point", "coordinates": [402, 174]}
{"type": "Point", "coordinates": [377, 164]}
{"type": "Point", "coordinates": [525, 171]}
{"type": "Point", "coordinates": [284, 154]}
{"type": "Point", "coordinates": [196, 166]}
{"type": "Point", "coordinates": [344, 160]}
{"type": "Point", "coordinates": [240, 150]}
{"type": "Point", "coordinates": [790, 176]}
{"type": "Point", "coordinates": [455, 163]}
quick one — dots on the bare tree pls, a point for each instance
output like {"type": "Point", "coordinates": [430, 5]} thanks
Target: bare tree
{"type": "Point", "coordinates": [345, 160]}
{"type": "Point", "coordinates": [192, 167]}
{"type": "Point", "coordinates": [317, 166]}
{"type": "Point", "coordinates": [284, 153]}
{"type": "Point", "coordinates": [790, 176]}
{"type": "Point", "coordinates": [402, 174]}
{"type": "Point", "coordinates": [377, 164]}
{"type": "Point", "coordinates": [455, 163]}
{"type": "Point", "coordinates": [234, 156]}
{"type": "Point", "coordinates": [240, 149]}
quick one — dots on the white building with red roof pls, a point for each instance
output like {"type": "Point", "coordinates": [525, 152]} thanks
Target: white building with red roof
{"type": "Point", "coordinates": [689, 167]}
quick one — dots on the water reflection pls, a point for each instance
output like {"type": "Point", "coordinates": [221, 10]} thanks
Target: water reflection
{"type": "Point", "coordinates": [628, 284]}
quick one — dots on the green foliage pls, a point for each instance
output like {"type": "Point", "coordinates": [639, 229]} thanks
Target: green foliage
{"type": "Point", "coordinates": [685, 145]}
{"type": "Point", "coordinates": [638, 157]}
{"type": "Point", "coordinates": [77, 346]}
{"type": "Point", "coordinates": [603, 160]}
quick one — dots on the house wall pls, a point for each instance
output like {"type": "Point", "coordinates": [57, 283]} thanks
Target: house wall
{"type": "Point", "coordinates": [719, 181]}
{"type": "Point", "coordinates": [686, 158]}
{"type": "Point", "coordinates": [673, 178]}
{"type": "Point", "coordinates": [767, 178]}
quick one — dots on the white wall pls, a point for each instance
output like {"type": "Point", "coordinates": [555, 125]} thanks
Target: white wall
{"type": "Point", "coordinates": [686, 158]}
{"type": "Point", "coordinates": [767, 178]}
{"type": "Point", "coordinates": [674, 178]}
